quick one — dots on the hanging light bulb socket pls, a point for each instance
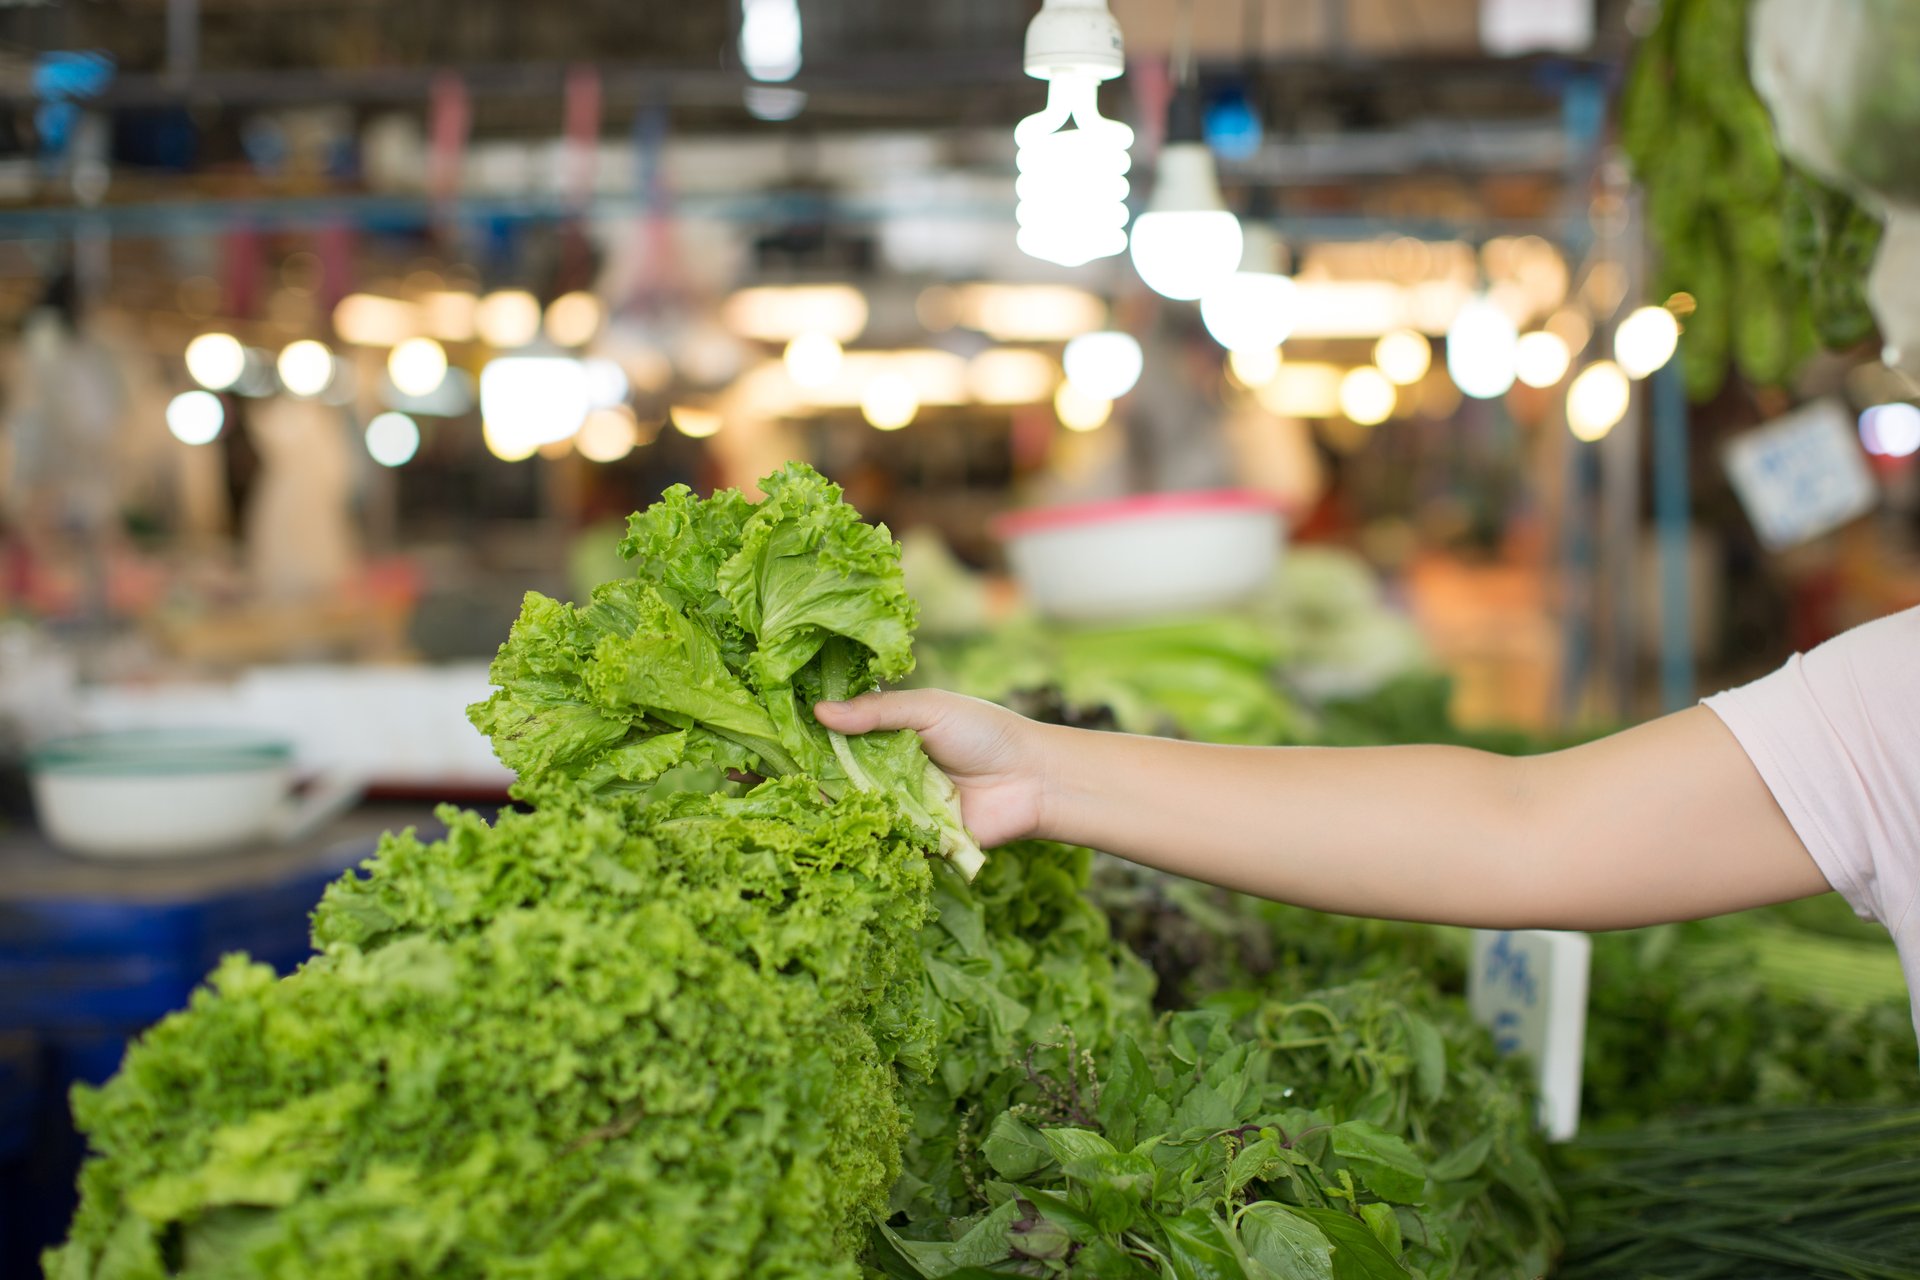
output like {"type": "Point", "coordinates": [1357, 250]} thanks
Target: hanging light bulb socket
{"type": "Point", "coordinates": [1074, 36]}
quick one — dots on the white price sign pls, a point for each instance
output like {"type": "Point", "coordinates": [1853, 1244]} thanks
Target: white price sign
{"type": "Point", "coordinates": [1801, 475]}
{"type": "Point", "coordinates": [1529, 988]}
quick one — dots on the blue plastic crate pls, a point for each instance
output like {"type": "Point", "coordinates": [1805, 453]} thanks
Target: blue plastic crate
{"type": "Point", "coordinates": [72, 964]}
{"type": "Point", "coordinates": [20, 1093]}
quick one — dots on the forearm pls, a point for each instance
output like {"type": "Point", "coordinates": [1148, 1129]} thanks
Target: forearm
{"type": "Point", "coordinates": [1406, 832]}
{"type": "Point", "coordinates": [1664, 822]}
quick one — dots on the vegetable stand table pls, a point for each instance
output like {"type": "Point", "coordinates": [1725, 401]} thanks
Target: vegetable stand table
{"type": "Point", "coordinates": [91, 953]}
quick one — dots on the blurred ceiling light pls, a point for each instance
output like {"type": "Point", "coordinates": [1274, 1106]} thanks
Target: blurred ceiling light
{"type": "Point", "coordinates": [1570, 326]}
{"type": "Point", "coordinates": [937, 377]}
{"type": "Point", "coordinates": [767, 390]}
{"type": "Point", "coordinates": [507, 318]}
{"type": "Point", "coordinates": [607, 435]}
{"type": "Point", "coordinates": [1497, 256]}
{"type": "Point", "coordinates": [813, 360]}
{"type": "Point", "coordinates": [1430, 306]}
{"type": "Point", "coordinates": [1597, 399]}
{"type": "Point", "coordinates": [1480, 349]}
{"type": "Point", "coordinates": [707, 354]}
{"type": "Point", "coordinates": [888, 403]}
{"type": "Point", "coordinates": [505, 445]}
{"type": "Point", "coordinates": [528, 401]}
{"type": "Point", "coordinates": [1232, 124]}
{"type": "Point", "coordinates": [770, 39]}
{"type": "Point", "coordinates": [1682, 304]}
{"type": "Point", "coordinates": [781, 313]}
{"type": "Point", "coordinates": [647, 368]}
{"type": "Point", "coordinates": [937, 308]}
{"type": "Point", "coordinates": [369, 320]}
{"type": "Point", "coordinates": [196, 417]}
{"type": "Point", "coordinates": [1104, 365]}
{"type": "Point", "coordinates": [1252, 368]}
{"type": "Point", "coordinates": [1645, 340]}
{"type": "Point", "coordinates": [607, 383]}
{"type": "Point", "coordinates": [1404, 356]}
{"type": "Point", "coordinates": [1541, 273]}
{"type": "Point", "coordinates": [1604, 288]}
{"type": "Point", "coordinates": [1541, 359]}
{"type": "Point", "coordinates": [1072, 188]}
{"type": "Point", "coordinates": [1366, 396]}
{"type": "Point", "coordinates": [694, 422]}
{"type": "Point", "coordinates": [306, 367]}
{"type": "Point", "coordinates": [1252, 309]}
{"type": "Point", "coordinates": [1185, 243]}
{"type": "Point", "coordinates": [1357, 308]}
{"type": "Point", "coordinates": [1030, 312]}
{"type": "Point", "coordinates": [216, 360]}
{"type": "Point", "coordinates": [392, 439]}
{"type": "Point", "coordinates": [450, 315]}
{"type": "Point", "coordinates": [453, 398]}
{"type": "Point", "coordinates": [1011, 375]}
{"type": "Point", "coordinates": [573, 318]}
{"type": "Point", "coordinates": [769, 102]}
{"type": "Point", "coordinates": [1409, 259]}
{"type": "Point", "coordinates": [417, 367]}
{"type": "Point", "coordinates": [1891, 430]}
{"type": "Point", "coordinates": [1079, 409]}
{"type": "Point", "coordinates": [1302, 389]}
{"type": "Point", "coordinates": [554, 450]}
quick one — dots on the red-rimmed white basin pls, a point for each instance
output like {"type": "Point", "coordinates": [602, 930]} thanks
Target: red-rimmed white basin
{"type": "Point", "coordinates": [1151, 554]}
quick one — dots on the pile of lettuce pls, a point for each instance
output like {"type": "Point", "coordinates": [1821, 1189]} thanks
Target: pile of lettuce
{"type": "Point", "coordinates": [717, 1007]}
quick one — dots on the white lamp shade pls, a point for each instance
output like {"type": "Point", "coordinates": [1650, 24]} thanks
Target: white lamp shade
{"type": "Point", "coordinates": [1186, 243]}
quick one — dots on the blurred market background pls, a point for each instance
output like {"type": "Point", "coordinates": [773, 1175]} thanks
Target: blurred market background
{"type": "Point", "coordinates": [1517, 385]}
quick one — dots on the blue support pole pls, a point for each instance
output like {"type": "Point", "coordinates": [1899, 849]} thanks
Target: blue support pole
{"type": "Point", "coordinates": [1672, 522]}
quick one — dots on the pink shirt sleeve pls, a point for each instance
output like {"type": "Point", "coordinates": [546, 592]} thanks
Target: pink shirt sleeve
{"type": "Point", "coordinates": [1836, 735]}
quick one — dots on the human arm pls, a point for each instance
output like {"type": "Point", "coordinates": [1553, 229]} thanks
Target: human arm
{"type": "Point", "coordinates": [1667, 821]}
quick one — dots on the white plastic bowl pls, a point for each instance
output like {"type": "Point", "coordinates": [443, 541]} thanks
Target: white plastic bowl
{"type": "Point", "coordinates": [156, 793]}
{"type": "Point", "coordinates": [1138, 557]}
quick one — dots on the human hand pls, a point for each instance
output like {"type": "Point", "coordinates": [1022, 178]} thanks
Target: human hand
{"type": "Point", "coordinates": [992, 755]}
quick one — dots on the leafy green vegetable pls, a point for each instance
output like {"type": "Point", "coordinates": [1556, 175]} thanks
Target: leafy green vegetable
{"type": "Point", "coordinates": [1825, 1193]}
{"type": "Point", "coordinates": [739, 617]}
{"type": "Point", "coordinates": [568, 1044]}
{"type": "Point", "coordinates": [1257, 1138]}
{"type": "Point", "coordinates": [1776, 263]}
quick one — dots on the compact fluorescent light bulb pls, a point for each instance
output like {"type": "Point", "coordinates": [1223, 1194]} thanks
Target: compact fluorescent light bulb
{"type": "Point", "coordinates": [1073, 181]}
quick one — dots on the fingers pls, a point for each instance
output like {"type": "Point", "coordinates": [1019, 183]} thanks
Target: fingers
{"type": "Point", "coordinates": [917, 709]}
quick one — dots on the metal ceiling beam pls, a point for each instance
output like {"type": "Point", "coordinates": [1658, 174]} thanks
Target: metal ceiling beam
{"type": "Point", "coordinates": [672, 83]}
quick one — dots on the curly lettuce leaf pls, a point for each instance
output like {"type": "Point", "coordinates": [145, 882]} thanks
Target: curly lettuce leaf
{"type": "Point", "coordinates": [808, 568]}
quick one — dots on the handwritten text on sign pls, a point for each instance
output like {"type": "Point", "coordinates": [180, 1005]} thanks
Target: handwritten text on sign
{"type": "Point", "coordinates": [1529, 988]}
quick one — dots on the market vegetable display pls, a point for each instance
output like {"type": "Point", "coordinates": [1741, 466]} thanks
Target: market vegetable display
{"type": "Point", "coordinates": [1752, 1194]}
{"type": "Point", "coordinates": [1318, 630]}
{"type": "Point", "coordinates": [1776, 262]}
{"type": "Point", "coordinates": [1292, 1129]}
{"type": "Point", "coordinates": [716, 1008]}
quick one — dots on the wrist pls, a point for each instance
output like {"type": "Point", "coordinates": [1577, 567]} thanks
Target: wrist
{"type": "Point", "coordinates": [1052, 751]}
